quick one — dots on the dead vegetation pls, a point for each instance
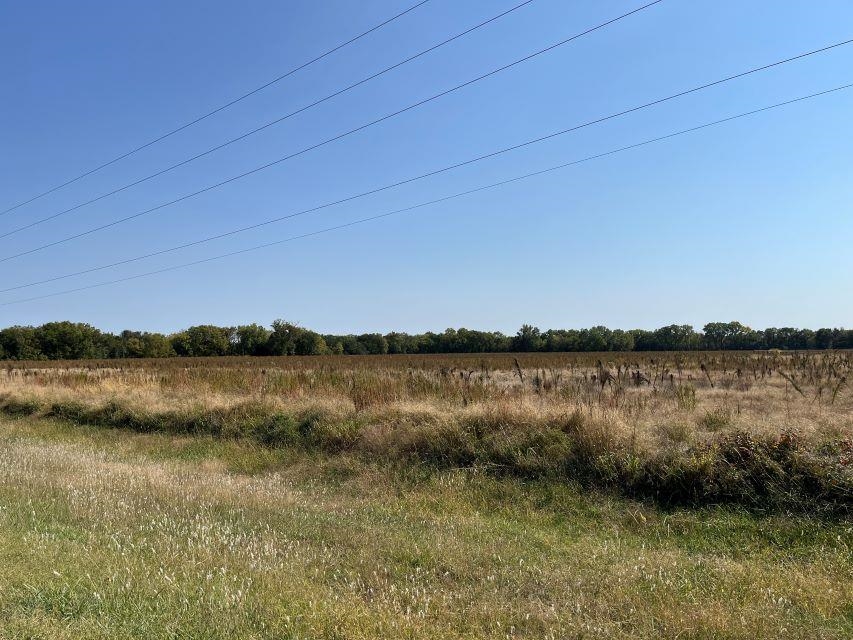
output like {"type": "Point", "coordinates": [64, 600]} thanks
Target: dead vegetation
{"type": "Point", "coordinates": [763, 429]}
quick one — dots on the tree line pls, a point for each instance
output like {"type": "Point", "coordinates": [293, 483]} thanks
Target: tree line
{"type": "Point", "coordinates": [72, 340]}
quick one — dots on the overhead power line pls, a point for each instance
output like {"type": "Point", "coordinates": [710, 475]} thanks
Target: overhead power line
{"type": "Point", "coordinates": [501, 151]}
{"type": "Point", "coordinates": [336, 137]}
{"type": "Point", "coordinates": [266, 125]}
{"type": "Point", "coordinates": [390, 213]}
{"type": "Point", "coordinates": [228, 104]}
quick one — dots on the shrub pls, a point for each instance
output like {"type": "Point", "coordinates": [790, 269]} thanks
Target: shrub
{"type": "Point", "coordinates": [759, 472]}
{"type": "Point", "coordinates": [716, 419]}
{"type": "Point", "coordinates": [72, 411]}
{"type": "Point", "coordinates": [278, 430]}
{"type": "Point", "coordinates": [676, 433]}
{"type": "Point", "coordinates": [19, 407]}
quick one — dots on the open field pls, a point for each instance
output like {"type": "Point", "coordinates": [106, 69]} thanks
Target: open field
{"type": "Point", "coordinates": [762, 429]}
{"type": "Point", "coordinates": [688, 495]}
{"type": "Point", "coordinates": [113, 534]}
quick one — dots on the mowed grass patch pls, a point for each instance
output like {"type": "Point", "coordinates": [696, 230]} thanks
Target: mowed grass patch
{"type": "Point", "coordinates": [111, 534]}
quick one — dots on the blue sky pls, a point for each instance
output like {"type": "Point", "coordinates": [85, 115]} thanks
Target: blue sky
{"type": "Point", "coordinates": [749, 220]}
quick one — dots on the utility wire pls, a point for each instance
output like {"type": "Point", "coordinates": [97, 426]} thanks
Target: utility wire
{"type": "Point", "coordinates": [266, 125]}
{"type": "Point", "coordinates": [390, 213]}
{"type": "Point", "coordinates": [217, 109]}
{"type": "Point", "coordinates": [477, 159]}
{"type": "Point", "coordinates": [386, 187]}
{"type": "Point", "coordinates": [332, 139]}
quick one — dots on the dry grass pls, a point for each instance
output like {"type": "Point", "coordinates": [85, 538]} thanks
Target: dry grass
{"type": "Point", "coordinates": [675, 427]}
{"type": "Point", "coordinates": [758, 392]}
{"type": "Point", "coordinates": [111, 534]}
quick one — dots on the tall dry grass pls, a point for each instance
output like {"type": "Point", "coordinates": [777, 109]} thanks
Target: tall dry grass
{"type": "Point", "coordinates": [756, 428]}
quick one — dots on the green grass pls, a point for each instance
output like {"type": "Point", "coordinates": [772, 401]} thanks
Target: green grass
{"type": "Point", "coordinates": [115, 534]}
{"type": "Point", "coordinates": [778, 472]}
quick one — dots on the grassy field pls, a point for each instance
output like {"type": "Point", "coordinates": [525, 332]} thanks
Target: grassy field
{"type": "Point", "coordinates": [543, 496]}
{"type": "Point", "coordinates": [112, 534]}
{"type": "Point", "coordinates": [764, 430]}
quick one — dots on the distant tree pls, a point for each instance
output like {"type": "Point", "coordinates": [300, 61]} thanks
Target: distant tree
{"type": "Point", "coordinates": [400, 343]}
{"type": "Point", "coordinates": [69, 341]}
{"type": "Point", "coordinates": [352, 346]}
{"type": "Point", "coordinates": [374, 343]}
{"type": "Point", "coordinates": [309, 343]}
{"type": "Point", "coordinates": [730, 335]}
{"type": "Point", "coordinates": [496, 342]}
{"type": "Point", "coordinates": [202, 340]}
{"type": "Point", "coordinates": [770, 339]}
{"type": "Point", "coordinates": [620, 341]}
{"type": "Point", "coordinates": [249, 340]}
{"type": "Point", "coordinates": [130, 345]}
{"type": "Point", "coordinates": [790, 338]}
{"type": "Point", "coordinates": [288, 339]}
{"type": "Point", "coordinates": [156, 345]}
{"type": "Point", "coordinates": [643, 340]}
{"type": "Point", "coordinates": [528, 338]}
{"type": "Point", "coordinates": [824, 338]}
{"type": "Point", "coordinates": [282, 338]}
{"type": "Point", "coordinates": [20, 343]}
{"type": "Point", "coordinates": [594, 339]}
{"type": "Point", "coordinates": [429, 342]}
{"type": "Point", "coordinates": [675, 337]}
{"type": "Point", "coordinates": [468, 341]}
{"type": "Point", "coordinates": [715, 335]}
{"type": "Point", "coordinates": [804, 339]}
{"type": "Point", "coordinates": [559, 340]}
{"type": "Point", "coordinates": [453, 341]}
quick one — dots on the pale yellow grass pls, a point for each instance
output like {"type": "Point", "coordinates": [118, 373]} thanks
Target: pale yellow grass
{"type": "Point", "coordinates": [99, 540]}
{"type": "Point", "coordinates": [650, 415]}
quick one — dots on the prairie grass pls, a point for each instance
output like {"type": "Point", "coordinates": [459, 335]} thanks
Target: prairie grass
{"type": "Point", "coordinates": [765, 430]}
{"type": "Point", "coordinates": [115, 534]}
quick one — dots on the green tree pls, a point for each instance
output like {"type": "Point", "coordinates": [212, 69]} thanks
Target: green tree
{"type": "Point", "coordinates": [561, 340]}
{"type": "Point", "coordinates": [374, 343]}
{"type": "Point", "coordinates": [282, 339]}
{"type": "Point", "coordinates": [156, 345]}
{"type": "Point", "coordinates": [20, 343]}
{"type": "Point", "coordinates": [249, 340]}
{"type": "Point", "coordinates": [69, 341]}
{"type": "Point", "coordinates": [620, 341]}
{"type": "Point", "coordinates": [824, 338]}
{"type": "Point", "coordinates": [528, 338]}
{"type": "Point", "coordinates": [132, 344]}
{"type": "Point", "coordinates": [730, 335]}
{"type": "Point", "coordinates": [594, 339]}
{"type": "Point", "coordinates": [676, 337]}
{"type": "Point", "coordinates": [202, 340]}
{"type": "Point", "coordinates": [288, 339]}
{"type": "Point", "coordinates": [400, 343]}
{"type": "Point", "coordinates": [309, 343]}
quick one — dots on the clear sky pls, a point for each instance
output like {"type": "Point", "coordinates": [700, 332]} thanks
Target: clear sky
{"type": "Point", "coordinates": [750, 220]}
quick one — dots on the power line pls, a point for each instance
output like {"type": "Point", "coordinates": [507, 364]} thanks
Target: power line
{"type": "Point", "coordinates": [489, 155]}
{"type": "Point", "coordinates": [217, 109]}
{"type": "Point", "coordinates": [266, 125]}
{"type": "Point", "coordinates": [396, 211]}
{"type": "Point", "coordinates": [386, 187]}
{"type": "Point", "coordinates": [334, 138]}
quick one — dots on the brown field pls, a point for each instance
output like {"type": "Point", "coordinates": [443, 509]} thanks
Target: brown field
{"type": "Point", "coordinates": [663, 495]}
{"type": "Point", "coordinates": [590, 417]}
{"type": "Point", "coordinates": [649, 396]}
